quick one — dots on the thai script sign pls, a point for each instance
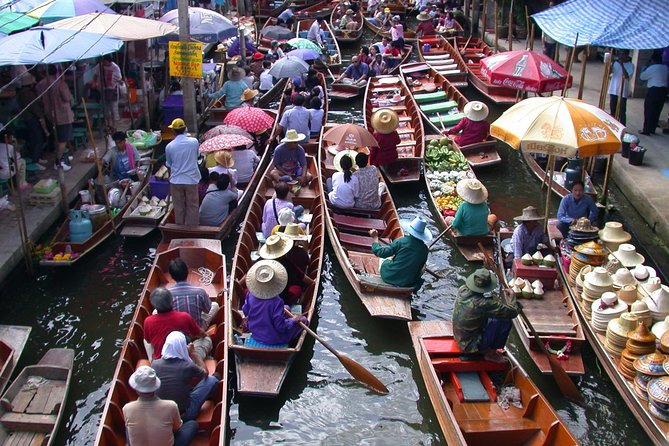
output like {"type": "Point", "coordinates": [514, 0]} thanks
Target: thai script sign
{"type": "Point", "coordinates": [185, 59]}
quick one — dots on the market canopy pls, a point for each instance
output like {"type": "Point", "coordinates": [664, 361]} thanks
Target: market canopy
{"type": "Point", "coordinates": [620, 24]}
{"type": "Point", "coordinates": [53, 10]}
{"type": "Point", "coordinates": [122, 27]}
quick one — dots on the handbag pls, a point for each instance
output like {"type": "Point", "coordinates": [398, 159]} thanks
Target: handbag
{"type": "Point", "coordinates": [122, 88]}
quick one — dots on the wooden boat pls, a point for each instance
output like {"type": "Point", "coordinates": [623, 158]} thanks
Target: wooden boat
{"type": "Point", "coordinates": [443, 108]}
{"type": "Point", "coordinates": [444, 59]}
{"type": "Point", "coordinates": [262, 371]}
{"type": "Point", "coordinates": [404, 57]}
{"type": "Point", "coordinates": [348, 232]}
{"type": "Point", "coordinates": [457, 30]}
{"type": "Point", "coordinates": [13, 340]}
{"type": "Point", "coordinates": [397, 7]}
{"type": "Point", "coordinates": [464, 392]}
{"type": "Point", "coordinates": [558, 177]}
{"type": "Point", "coordinates": [409, 34]}
{"type": "Point", "coordinates": [170, 230]}
{"type": "Point", "coordinates": [556, 321]}
{"type": "Point", "coordinates": [271, 94]}
{"type": "Point", "coordinates": [318, 10]}
{"type": "Point", "coordinates": [270, 8]}
{"type": "Point", "coordinates": [379, 93]}
{"type": "Point", "coordinates": [333, 60]}
{"type": "Point", "coordinates": [264, 43]}
{"type": "Point", "coordinates": [472, 51]}
{"type": "Point", "coordinates": [212, 420]}
{"type": "Point", "coordinates": [341, 91]}
{"type": "Point", "coordinates": [138, 225]}
{"type": "Point", "coordinates": [32, 407]}
{"type": "Point", "coordinates": [347, 36]}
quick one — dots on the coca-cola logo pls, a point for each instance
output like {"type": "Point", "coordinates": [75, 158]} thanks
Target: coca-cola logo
{"type": "Point", "coordinates": [518, 84]}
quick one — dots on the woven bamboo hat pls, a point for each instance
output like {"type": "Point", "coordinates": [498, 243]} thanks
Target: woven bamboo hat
{"type": "Point", "coordinates": [266, 279]}
{"type": "Point", "coordinates": [275, 246]}
{"type": "Point", "coordinates": [472, 191]}
{"type": "Point", "coordinates": [224, 158]}
{"type": "Point", "coordinates": [294, 232]}
{"type": "Point", "coordinates": [385, 121]}
{"type": "Point", "coordinates": [422, 17]}
{"type": "Point", "coordinates": [248, 94]}
{"type": "Point", "coordinates": [530, 213]}
{"type": "Point", "coordinates": [476, 111]}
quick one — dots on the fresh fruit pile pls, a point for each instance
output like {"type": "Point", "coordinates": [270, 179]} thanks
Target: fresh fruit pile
{"type": "Point", "coordinates": [441, 157]}
{"type": "Point", "coordinates": [444, 169]}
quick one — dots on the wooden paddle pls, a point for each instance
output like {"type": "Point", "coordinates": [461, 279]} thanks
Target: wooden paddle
{"type": "Point", "coordinates": [428, 270]}
{"type": "Point", "coordinates": [356, 370]}
{"type": "Point", "coordinates": [564, 382]}
{"type": "Point", "coordinates": [443, 127]}
{"type": "Point", "coordinates": [436, 239]}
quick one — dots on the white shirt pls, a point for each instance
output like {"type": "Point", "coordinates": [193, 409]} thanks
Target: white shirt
{"type": "Point", "coordinates": [656, 75]}
{"type": "Point", "coordinates": [343, 194]}
{"type": "Point", "coordinates": [245, 163]}
{"type": "Point", "coordinates": [316, 120]}
{"type": "Point", "coordinates": [266, 81]}
{"type": "Point", "coordinates": [617, 76]}
{"type": "Point", "coordinates": [314, 33]}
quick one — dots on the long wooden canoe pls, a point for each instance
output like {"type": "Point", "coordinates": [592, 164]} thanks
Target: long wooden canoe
{"type": "Point", "coordinates": [212, 420]}
{"type": "Point", "coordinates": [348, 232]}
{"type": "Point", "coordinates": [556, 321]}
{"type": "Point", "coordinates": [33, 405]}
{"type": "Point", "coordinates": [472, 51]}
{"type": "Point", "coordinates": [333, 60]}
{"type": "Point", "coordinates": [265, 43]}
{"type": "Point", "coordinates": [138, 225]}
{"type": "Point", "coordinates": [556, 186]}
{"type": "Point", "coordinates": [444, 59]}
{"type": "Point", "coordinates": [170, 230]}
{"type": "Point", "coordinates": [270, 8]}
{"type": "Point", "coordinates": [318, 10]}
{"type": "Point", "coordinates": [272, 93]}
{"type": "Point", "coordinates": [411, 150]}
{"type": "Point", "coordinates": [347, 36]}
{"type": "Point", "coordinates": [341, 91]}
{"type": "Point", "coordinates": [464, 393]}
{"type": "Point", "coordinates": [397, 7]}
{"type": "Point", "coordinates": [443, 108]}
{"type": "Point", "coordinates": [13, 340]}
{"type": "Point", "coordinates": [409, 34]}
{"type": "Point", "coordinates": [262, 371]}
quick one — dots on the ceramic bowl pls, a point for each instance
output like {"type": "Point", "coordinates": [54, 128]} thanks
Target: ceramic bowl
{"type": "Point", "coordinates": [658, 392]}
{"type": "Point", "coordinates": [651, 365]}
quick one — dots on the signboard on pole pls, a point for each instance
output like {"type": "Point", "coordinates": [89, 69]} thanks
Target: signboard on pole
{"type": "Point", "coordinates": [185, 59]}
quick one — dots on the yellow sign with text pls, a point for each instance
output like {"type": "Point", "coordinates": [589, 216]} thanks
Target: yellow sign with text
{"type": "Point", "coordinates": [185, 59]}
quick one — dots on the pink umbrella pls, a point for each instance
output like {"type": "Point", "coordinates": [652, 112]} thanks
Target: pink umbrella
{"type": "Point", "coordinates": [225, 130]}
{"type": "Point", "coordinates": [224, 142]}
{"type": "Point", "coordinates": [251, 119]}
{"type": "Point", "coordinates": [524, 70]}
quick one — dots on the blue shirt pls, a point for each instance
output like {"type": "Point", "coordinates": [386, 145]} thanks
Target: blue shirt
{"type": "Point", "coordinates": [355, 71]}
{"type": "Point", "coordinates": [267, 321]}
{"type": "Point", "coordinates": [232, 90]}
{"type": "Point", "coordinates": [297, 118]}
{"type": "Point", "coordinates": [571, 210]}
{"type": "Point", "coordinates": [290, 160]}
{"type": "Point", "coordinates": [216, 206]}
{"type": "Point", "coordinates": [181, 157]}
{"type": "Point", "coordinates": [525, 242]}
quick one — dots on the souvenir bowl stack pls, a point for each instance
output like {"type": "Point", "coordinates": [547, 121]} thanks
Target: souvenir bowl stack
{"type": "Point", "coordinates": [579, 282]}
{"type": "Point", "coordinates": [647, 368]}
{"type": "Point", "coordinates": [613, 235]}
{"type": "Point", "coordinates": [641, 311]}
{"type": "Point", "coordinates": [658, 397]}
{"type": "Point", "coordinates": [595, 283]}
{"type": "Point", "coordinates": [590, 253]}
{"type": "Point", "coordinates": [616, 333]}
{"type": "Point", "coordinates": [658, 303]}
{"type": "Point", "coordinates": [640, 342]}
{"type": "Point", "coordinates": [605, 309]}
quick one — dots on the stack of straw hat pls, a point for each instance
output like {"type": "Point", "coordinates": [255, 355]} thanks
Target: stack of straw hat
{"type": "Point", "coordinates": [660, 328]}
{"type": "Point", "coordinates": [581, 232]}
{"type": "Point", "coordinates": [641, 311]}
{"type": "Point", "coordinates": [616, 333]}
{"type": "Point", "coordinates": [590, 253]}
{"type": "Point", "coordinates": [647, 368]}
{"type": "Point", "coordinates": [640, 342]}
{"type": "Point", "coordinates": [626, 254]}
{"type": "Point", "coordinates": [595, 283]}
{"type": "Point", "coordinates": [613, 235]}
{"type": "Point", "coordinates": [605, 309]}
{"type": "Point", "coordinates": [658, 303]}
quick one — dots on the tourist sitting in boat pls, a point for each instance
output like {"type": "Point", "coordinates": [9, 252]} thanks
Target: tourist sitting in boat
{"type": "Point", "coordinates": [481, 323]}
{"type": "Point", "coordinates": [296, 119]}
{"type": "Point", "coordinates": [151, 421]}
{"type": "Point", "coordinates": [122, 158]}
{"type": "Point", "coordinates": [275, 50]}
{"type": "Point", "coordinates": [245, 159]}
{"type": "Point", "coordinates": [188, 298]}
{"type": "Point", "coordinates": [203, 184]}
{"type": "Point", "coordinates": [372, 6]}
{"type": "Point", "coordinates": [165, 320]}
{"type": "Point", "coordinates": [235, 50]}
{"type": "Point", "coordinates": [287, 17]}
{"type": "Point", "coordinates": [289, 162]}
{"type": "Point", "coordinates": [273, 206]}
{"type": "Point", "coordinates": [378, 16]}
{"type": "Point", "coordinates": [357, 72]}
{"type": "Point", "coordinates": [397, 32]}
{"type": "Point", "coordinates": [343, 187]}
{"type": "Point", "coordinates": [232, 89]}
{"type": "Point", "coordinates": [265, 78]}
{"type": "Point", "coordinates": [448, 22]}
{"type": "Point", "coordinates": [316, 114]}
{"type": "Point", "coordinates": [473, 128]}
{"type": "Point", "coordinates": [364, 56]}
{"type": "Point", "coordinates": [426, 26]}
{"type": "Point", "coordinates": [574, 206]}
{"type": "Point", "coordinates": [369, 193]}
{"type": "Point", "coordinates": [287, 248]}
{"type": "Point", "coordinates": [378, 66]}
{"type": "Point", "coordinates": [249, 97]}
{"type": "Point", "coordinates": [529, 235]}
{"type": "Point", "coordinates": [383, 45]}
{"type": "Point", "coordinates": [11, 163]}
{"type": "Point", "coordinates": [384, 123]}
{"type": "Point", "coordinates": [315, 33]}
{"type": "Point", "coordinates": [409, 254]}
{"type": "Point", "coordinates": [177, 368]}
{"type": "Point", "coordinates": [392, 55]}
{"type": "Point", "coordinates": [224, 163]}
{"type": "Point", "coordinates": [217, 204]}
{"type": "Point", "coordinates": [473, 217]}
{"type": "Point", "coordinates": [256, 63]}
{"type": "Point", "coordinates": [263, 307]}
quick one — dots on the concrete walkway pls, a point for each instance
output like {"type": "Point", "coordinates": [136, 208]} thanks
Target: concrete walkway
{"type": "Point", "coordinates": [644, 186]}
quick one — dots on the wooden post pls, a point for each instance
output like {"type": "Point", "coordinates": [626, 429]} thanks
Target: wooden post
{"type": "Point", "coordinates": [527, 23]}
{"type": "Point", "coordinates": [476, 9]}
{"type": "Point", "coordinates": [467, 9]}
{"type": "Point", "coordinates": [485, 17]}
{"type": "Point", "coordinates": [571, 62]}
{"type": "Point", "coordinates": [496, 26]}
{"type": "Point", "coordinates": [187, 83]}
{"type": "Point", "coordinates": [605, 80]}
{"type": "Point", "coordinates": [145, 96]}
{"type": "Point", "coordinates": [584, 59]}
{"type": "Point", "coordinates": [549, 189]}
{"type": "Point", "coordinates": [510, 37]}
{"type": "Point", "coordinates": [532, 27]}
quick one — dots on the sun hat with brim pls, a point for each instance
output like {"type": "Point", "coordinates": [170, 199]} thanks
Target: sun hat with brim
{"type": "Point", "coordinates": [248, 94]}
{"type": "Point", "coordinates": [275, 246]}
{"type": "Point", "coordinates": [583, 224]}
{"type": "Point", "coordinates": [472, 191]}
{"type": "Point", "coordinates": [144, 380]}
{"type": "Point", "coordinates": [236, 74]}
{"type": "Point", "coordinates": [266, 279]}
{"type": "Point", "coordinates": [385, 121]}
{"type": "Point", "coordinates": [293, 231]}
{"type": "Point", "coordinates": [530, 213]}
{"type": "Point", "coordinates": [338, 157]}
{"type": "Point", "coordinates": [476, 111]}
{"type": "Point", "coordinates": [293, 136]}
{"type": "Point", "coordinates": [177, 124]}
{"type": "Point", "coordinates": [423, 17]}
{"type": "Point", "coordinates": [481, 281]}
{"type": "Point", "coordinates": [613, 232]}
{"type": "Point", "coordinates": [417, 228]}
{"type": "Point", "coordinates": [627, 255]}
{"type": "Point", "coordinates": [224, 158]}
{"type": "Point", "coordinates": [258, 56]}
{"type": "Point", "coordinates": [286, 215]}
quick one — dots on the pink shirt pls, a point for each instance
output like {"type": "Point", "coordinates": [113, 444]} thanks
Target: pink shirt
{"type": "Point", "coordinates": [397, 31]}
{"type": "Point", "coordinates": [472, 131]}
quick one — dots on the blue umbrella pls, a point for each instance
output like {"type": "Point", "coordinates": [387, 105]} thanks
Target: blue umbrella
{"type": "Point", "coordinates": [304, 54]}
{"type": "Point", "coordinates": [43, 45]}
{"type": "Point", "coordinates": [206, 26]}
{"type": "Point", "coordinates": [288, 67]}
{"type": "Point", "coordinates": [19, 5]}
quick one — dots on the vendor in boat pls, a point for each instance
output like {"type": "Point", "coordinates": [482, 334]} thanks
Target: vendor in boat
{"type": "Point", "coordinates": [181, 157]}
{"type": "Point", "coordinates": [473, 217]}
{"type": "Point", "coordinates": [357, 72]}
{"type": "Point", "coordinates": [274, 206]}
{"type": "Point", "coordinates": [315, 33]}
{"type": "Point", "coordinates": [481, 323]}
{"type": "Point", "coordinates": [151, 421]}
{"type": "Point", "coordinates": [409, 254]}
{"type": "Point", "coordinates": [288, 248]}
{"type": "Point", "coordinates": [122, 158]}
{"type": "Point", "coordinates": [384, 122]}
{"type": "Point", "coordinates": [289, 162]}
{"type": "Point", "coordinates": [529, 235]}
{"type": "Point", "coordinates": [232, 89]}
{"type": "Point", "coordinates": [188, 298]}
{"type": "Point", "coordinates": [263, 307]}
{"type": "Point", "coordinates": [369, 196]}
{"type": "Point", "coordinates": [574, 206]}
{"type": "Point", "coordinates": [347, 21]}
{"type": "Point", "coordinates": [473, 128]}
{"type": "Point", "coordinates": [426, 26]}
{"type": "Point", "coordinates": [249, 97]}
{"type": "Point", "coordinates": [218, 203]}
{"type": "Point", "coordinates": [177, 368]}
{"type": "Point", "coordinates": [343, 187]}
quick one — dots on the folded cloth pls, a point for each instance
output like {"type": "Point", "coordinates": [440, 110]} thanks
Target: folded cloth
{"type": "Point", "coordinates": [250, 342]}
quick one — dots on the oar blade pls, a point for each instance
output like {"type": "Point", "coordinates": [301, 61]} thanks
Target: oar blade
{"type": "Point", "coordinates": [363, 375]}
{"type": "Point", "coordinates": [564, 382]}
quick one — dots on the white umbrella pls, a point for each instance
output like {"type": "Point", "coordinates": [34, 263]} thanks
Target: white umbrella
{"type": "Point", "coordinates": [289, 67]}
{"type": "Point", "coordinates": [122, 27]}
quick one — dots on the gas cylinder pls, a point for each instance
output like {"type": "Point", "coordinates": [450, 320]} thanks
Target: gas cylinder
{"type": "Point", "coordinates": [81, 227]}
{"type": "Point", "coordinates": [573, 172]}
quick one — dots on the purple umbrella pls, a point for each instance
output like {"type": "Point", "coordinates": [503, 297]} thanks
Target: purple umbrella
{"type": "Point", "coordinates": [304, 54]}
{"type": "Point", "coordinates": [206, 26]}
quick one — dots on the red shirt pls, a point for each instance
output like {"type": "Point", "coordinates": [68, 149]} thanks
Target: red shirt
{"type": "Point", "coordinates": [426, 28]}
{"type": "Point", "coordinates": [472, 131]}
{"type": "Point", "coordinates": [158, 326]}
{"type": "Point", "coordinates": [386, 153]}
{"type": "Point", "coordinates": [392, 51]}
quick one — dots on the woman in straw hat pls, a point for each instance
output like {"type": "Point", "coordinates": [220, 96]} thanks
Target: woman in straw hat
{"type": "Point", "coordinates": [218, 203]}
{"type": "Point", "coordinates": [473, 128]}
{"type": "Point", "coordinates": [473, 216]}
{"type": "Point", "coordinates": [409, 254]}
{"type": "Point", "coordinates": [287, 248]}
{"type": "Point", "coordinates": [529, 234]}
{"type": "Point", "coordinates": [248, 97]}
{"type": "Point", "coordinates": [232, 89]}
{"type": "Point", "coordinates": [224, 163]}
{"type": "Point", "coordinates": [263, 307]}
{"type": "Point", "coordinates": [426, 26]}
{"type": "Point", "coordinates": [384, 123]}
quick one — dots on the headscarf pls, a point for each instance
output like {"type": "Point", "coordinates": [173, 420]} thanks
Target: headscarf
{"type": "Point", "coordinates": [286, 215]}
{"type": "Point", "coordinates": [175, 347]}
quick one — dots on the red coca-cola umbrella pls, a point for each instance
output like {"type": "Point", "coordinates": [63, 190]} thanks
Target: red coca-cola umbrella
{"type": "Point", "coordinates": [524, 70]}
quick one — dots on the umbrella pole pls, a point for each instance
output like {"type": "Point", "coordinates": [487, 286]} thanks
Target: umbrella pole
{"type": "Point", "coordinates": [609, 164]}
{"type": "Point", "coordinates": [20, 212]}
{"type": "Point", "coordinates": [549, 189]}
{"type": "Point", "coordinates": [496, 25]}
{"type": "Point", "coordinates": [242, 44]}
{"type": "Point", "coordinates": [145, 96]}
{"type": "Point", "coordinates": [584, 59]}
{"type": "Point", "coordinates": [510, 36]}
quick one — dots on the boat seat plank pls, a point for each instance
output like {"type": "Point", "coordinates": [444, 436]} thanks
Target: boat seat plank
{"type": "Point", "coordinates": [471, 386]}
{"type": "Point", "coordinates": [439, 107]}
{"type": "Point", "coordinates": [305, 193]}
{"type": "Point", "coordinates": [444, 365]}
{"type": "Point", "coordinates": [28, 422]}
{"type": "Point", "coordinates": [55, 398]}
{"type": "Point", "coordinates": [38, 403]}
{"type": "Point", "coordinates": [22, 399]}
{"type": "Point", "coordinates": [358, 224]}
{"type": "Point", "coordinates": [355, 241]}
{"type": "Point", "coordinates": [24, 439]}
{"type": "Point", "coordinates": [498, 425]}
{"type": "Point", "coordinates": [546, 330]}
{"type": "Point", "coordinates": [428, 97]}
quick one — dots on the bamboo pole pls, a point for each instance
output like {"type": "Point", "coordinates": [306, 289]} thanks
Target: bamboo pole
{"type": "Point", "coordinates": [510, 36]}
{"type": "Point", "coordinates": [496, 26]}
{"type": "Point", "coordinates": [527, 21]}
{"type": "Point", "coordinates": [484, 18]}
{"type": "Point", "coordinates": [20, 212]}
{"type": "Point", "coordinates": [584, 59]}
{"type": "Point", "coordinates": [571, 62]}
{"type": "Point", "coordinates": [532, 27]}
{"type": "Point", "coordinates": [605, 80]}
